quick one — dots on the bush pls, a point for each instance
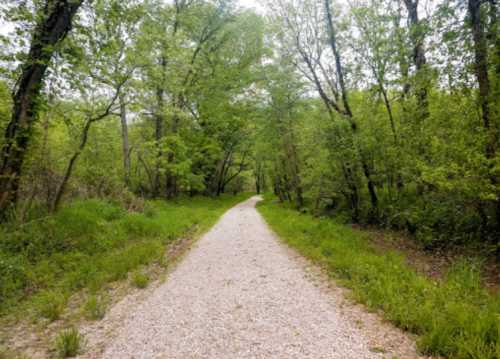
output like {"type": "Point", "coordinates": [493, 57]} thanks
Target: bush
{"type": "Point", "coordinates": [69, 343]}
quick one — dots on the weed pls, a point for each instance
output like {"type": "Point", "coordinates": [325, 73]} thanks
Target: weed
{"type": "Point", "coordinates": [140, 279]}
{"type": "Point", "coordinates": [94, 308]}
{"type": "Point", "coordinates": [50, 305]}
{"type": "Point", "coordinates": [68, 343]}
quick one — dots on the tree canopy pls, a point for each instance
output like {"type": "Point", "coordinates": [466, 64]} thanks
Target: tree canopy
{"type": "Point", "coordinates": [380, 112]}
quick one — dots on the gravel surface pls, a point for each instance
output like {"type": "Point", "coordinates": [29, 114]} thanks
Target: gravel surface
{"type": "Point", "coordinates": [240, 293]}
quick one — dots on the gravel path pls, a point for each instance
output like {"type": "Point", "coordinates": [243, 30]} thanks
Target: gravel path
{"type": "Point", "coordinates": [239, 293]}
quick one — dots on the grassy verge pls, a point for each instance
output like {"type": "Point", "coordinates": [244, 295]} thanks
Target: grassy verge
{"type": "Point", "coordinates": [455, 317]}
{"type": "Point", "coordinates": [91, 243]}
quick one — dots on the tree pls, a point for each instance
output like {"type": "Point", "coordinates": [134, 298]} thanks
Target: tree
{"type": "Point", "coordinates": [55, 22]}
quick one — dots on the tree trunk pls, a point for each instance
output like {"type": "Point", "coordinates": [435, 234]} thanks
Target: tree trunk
{"type": "Point", "coordinates": [158, 137]}
{"type": "Point", "coordinates": [481, 69]}
{"type": "Point", "coordinates": [338, 63]}
{"type": "Point", "coordinates": [71, 165]}
{"type": "Point", "coordinates": [345, 100]}
{"type": "Point", "coordinates": [419, 59]}
{"type": "Point", "coordinates": [54, 26]}
{"type": "Point", "coordinates": [125, 141]}
{"type": "Point", "coordinates": [171, 178]}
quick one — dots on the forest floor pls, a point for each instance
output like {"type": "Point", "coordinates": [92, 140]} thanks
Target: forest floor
{"type": "Point", "coordinates": [240, 293]}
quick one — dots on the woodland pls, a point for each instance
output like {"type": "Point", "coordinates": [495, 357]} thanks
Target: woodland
{"type": "Point", "coordinates": [378, 113]}
{"type": "Point", "coordinates": [384, 112]}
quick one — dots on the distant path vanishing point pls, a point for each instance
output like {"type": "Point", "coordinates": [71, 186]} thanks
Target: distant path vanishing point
{"type": "Point", "coordinates": [239, 293]}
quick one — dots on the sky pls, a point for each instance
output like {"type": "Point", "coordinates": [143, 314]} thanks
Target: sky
{"type": "Point", "coordinates": [253, 4]}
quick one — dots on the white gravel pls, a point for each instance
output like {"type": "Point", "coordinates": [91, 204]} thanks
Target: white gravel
{"type": "Point", "coordinates": [240, 293]}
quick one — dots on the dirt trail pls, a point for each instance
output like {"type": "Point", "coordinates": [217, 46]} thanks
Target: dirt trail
{"type": "Point", "coordinates": [240, 293]}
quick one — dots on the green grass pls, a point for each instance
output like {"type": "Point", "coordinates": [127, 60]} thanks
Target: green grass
{"type": "Point", "coordinates": [455, 317]}
{"type": "Point", "coordinates": [94, 308]}
{"type": "Point", "coordinates": [68, 343]}
{"type": "Point", "coordinates": [89, 244]}
{"type": "Point", "coordinates": [140, 279]}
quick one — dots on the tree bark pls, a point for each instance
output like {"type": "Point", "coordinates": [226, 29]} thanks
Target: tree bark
{"type": "Point", "coordinates": [345, 101]}
{"type": "Point", "coordinates": [125, 141]}
{"type": "Point", "coordinates": [481, 69]}
{"type": "Point", "coordinates": [159, 128]}
{"type": "Point", "coordinates": [71, 165]}
{"type": "Point", "coordinates": [419, 59]}
{"type": "Point", "coordinates": [56, 23]}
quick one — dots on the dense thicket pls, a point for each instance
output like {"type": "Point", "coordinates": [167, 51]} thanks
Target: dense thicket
{"type": "Point", "coordinates": [384, 112]}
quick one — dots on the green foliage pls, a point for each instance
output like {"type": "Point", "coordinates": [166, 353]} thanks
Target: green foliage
{"type": "Point", "coordinates": [455, 317]}
{"type": "Point", "coordinates": [90, 243]}
{"type": "Point", "coordinates": [69, 343]}
{"type": "Point", "coordinates": [94, 308]}
{"type": "Point", "coordinates": [140, 279]}
{"type": "Point", "coordinates": [49, 304]}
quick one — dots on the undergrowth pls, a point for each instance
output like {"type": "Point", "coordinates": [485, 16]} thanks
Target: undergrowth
{"type": "Point", "coordinates": [90, 243]}
{"type": "Point", "coordinates": [455, 317]}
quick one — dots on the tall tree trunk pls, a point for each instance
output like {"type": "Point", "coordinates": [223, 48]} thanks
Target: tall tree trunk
{"type": "Point", "coordinates": [125, 141]}
{"type": "Point", "coordinates": [419, 59]}
{"type": "Point", "coordinates": [481, 69]}
{"type": "Point", "coordinates": [338, 62]}
{"type": "Point", "coordinates": [56, 23]}
{"type": "Point", "coordinates": [171, 178]}
{"type": "Point", "coordinates": [159, 119]}
{"type": "Point", "coordinates": [345, 101]}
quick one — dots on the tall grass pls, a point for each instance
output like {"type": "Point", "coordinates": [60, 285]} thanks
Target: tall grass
{"type": "Point", "coordinates": [90, 243]}
{"type": "Point", "coordinates": [455, 317]}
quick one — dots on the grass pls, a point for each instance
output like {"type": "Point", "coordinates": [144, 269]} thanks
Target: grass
{"type": "Point", "coordinates": [454, 318]}
{"type": "Point", "coordinates": [68, 343]}
{"type": "Point", "coordinates": [49, 304]}
{"type": "Point", "coordinates": [140, 279]}
{"type": "Point", "coordinates": [94, 308]}
{"type": "Point", "coordinates": [89, 244]}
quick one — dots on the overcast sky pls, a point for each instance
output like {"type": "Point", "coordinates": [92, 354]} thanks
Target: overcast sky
{"type": "Point", "coordinates": [254, 4]}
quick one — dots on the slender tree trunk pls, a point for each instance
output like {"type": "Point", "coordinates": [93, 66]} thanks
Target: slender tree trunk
{"type": "Point", "coordinates": [338, 62]}
{"type": "Point", "coordinates": [71, 165]}
{"type": "Point", "coordinates": [294, 159]}
{"type": "Point", "coordinates": [353, 195]}
{"type": "Point", "coordinates": [56, 23]}
{"type": "Point", "coordinates": [125, 141]}
{"type": "Point", "coordinates": [159, 130]}
{"type": "Point", "coordinates": [171, 178]}
{"type": "Point", "coordinates": [388, 107]}
{"type": "Point", "coordinates": [345, 101]}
